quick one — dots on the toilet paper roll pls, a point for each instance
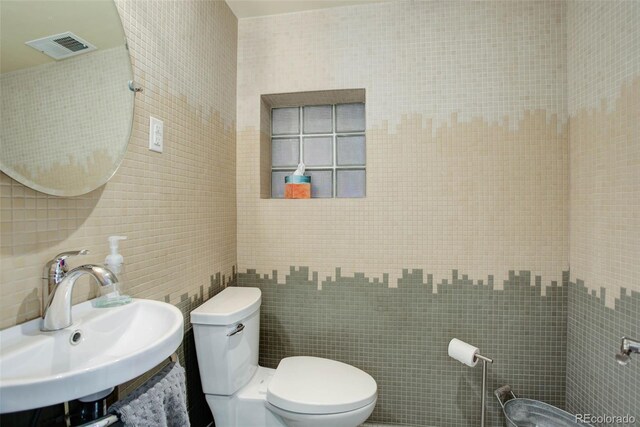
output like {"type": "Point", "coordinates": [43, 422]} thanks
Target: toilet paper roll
{"type": "Point", "coordinates": [463, 352]}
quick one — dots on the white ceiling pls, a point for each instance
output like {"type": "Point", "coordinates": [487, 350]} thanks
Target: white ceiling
{"type": "Point", "coordinates": [251, 8]}
{"type": "Point", "coordinates": [96, 21]}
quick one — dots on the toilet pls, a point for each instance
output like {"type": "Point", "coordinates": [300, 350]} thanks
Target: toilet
{"type": "Point", "coordinates": [302, 391]}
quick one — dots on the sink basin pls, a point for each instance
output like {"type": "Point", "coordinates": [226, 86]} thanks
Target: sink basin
{"type": "Point", "coordinates": [114, 345]}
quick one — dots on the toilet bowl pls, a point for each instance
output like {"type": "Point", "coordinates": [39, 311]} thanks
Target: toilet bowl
{"type": "Point", "coordinates": [302, 391]}
{"type": "Point", "coordinates": [342, 419]}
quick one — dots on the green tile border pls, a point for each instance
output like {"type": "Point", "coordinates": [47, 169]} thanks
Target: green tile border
{"type": "Point", "coordinates": [400, 336]}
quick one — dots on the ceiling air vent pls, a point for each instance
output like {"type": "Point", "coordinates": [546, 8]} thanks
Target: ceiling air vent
{"type": "Point", "coordinates": [62, 46]}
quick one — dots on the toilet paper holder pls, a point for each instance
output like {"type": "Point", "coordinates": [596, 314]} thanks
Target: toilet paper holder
{"type": "Point", "coordinates": [485, 360]}
{"type": "Point", "coordinates": [469, 355]}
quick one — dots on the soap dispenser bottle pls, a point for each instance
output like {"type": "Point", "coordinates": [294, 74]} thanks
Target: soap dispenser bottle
{"type": "Point", "coordinates": [112, 295]}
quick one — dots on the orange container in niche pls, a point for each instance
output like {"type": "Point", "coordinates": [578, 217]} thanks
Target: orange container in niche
{"type": "Point", "coordinates": [297, 187]}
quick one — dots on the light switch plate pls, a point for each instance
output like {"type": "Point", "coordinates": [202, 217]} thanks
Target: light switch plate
{"type": "Point", "coordinates": [156, 135]}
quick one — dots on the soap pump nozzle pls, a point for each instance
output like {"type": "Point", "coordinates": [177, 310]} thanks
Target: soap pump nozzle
{"type": "Point", "coordinates": [113, 243]}
{"type": "Point", "coordinates": [114, 259]}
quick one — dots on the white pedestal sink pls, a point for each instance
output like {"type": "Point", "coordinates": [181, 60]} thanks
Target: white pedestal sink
{"type": "Point", "coordinates": [103, 348]}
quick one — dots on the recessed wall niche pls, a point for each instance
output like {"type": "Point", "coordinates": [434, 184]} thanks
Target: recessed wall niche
{"type": "Point", "coordinates": [326, 130]}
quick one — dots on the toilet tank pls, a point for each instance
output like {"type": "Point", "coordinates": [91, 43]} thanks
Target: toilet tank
{"type": "Point", "coordinates": [227, 360]}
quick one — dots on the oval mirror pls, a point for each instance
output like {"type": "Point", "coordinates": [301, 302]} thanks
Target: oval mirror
{"type": "Point", "coordinates": [66, 107]}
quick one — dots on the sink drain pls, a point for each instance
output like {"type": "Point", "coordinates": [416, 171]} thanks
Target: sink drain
{"type": "Point", "coordinates": [75, 337]}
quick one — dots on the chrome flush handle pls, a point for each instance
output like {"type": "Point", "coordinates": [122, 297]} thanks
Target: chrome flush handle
{"type": "Point", "coordinates": [239, 328]}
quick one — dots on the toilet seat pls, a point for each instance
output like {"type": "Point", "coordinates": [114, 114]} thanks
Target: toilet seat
{"type": "Point", "coordinates": [313, 385]}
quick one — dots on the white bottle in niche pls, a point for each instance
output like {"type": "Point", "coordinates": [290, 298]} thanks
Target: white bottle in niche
{"type": "Point", "coordinates": [112, 295]}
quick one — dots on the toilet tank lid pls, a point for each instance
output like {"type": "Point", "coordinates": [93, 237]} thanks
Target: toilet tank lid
{"type": "Point", "coordinates": [229, 306]}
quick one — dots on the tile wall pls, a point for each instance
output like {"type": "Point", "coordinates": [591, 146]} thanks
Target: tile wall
{"type": "Point", "coordinates": [178, 208]}
{"type": "Point", "coordinates": [475, 111]}
{"type": "Point", "coordinates": [604, 162]}
{"type": "Point", "coordinates": [466, 139]}
{"type": "Point", "coordinates": [397, 335]}
{"type": "Point", "coordinates": [467, 154]}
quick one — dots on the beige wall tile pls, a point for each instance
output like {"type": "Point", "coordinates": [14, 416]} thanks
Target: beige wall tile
{"type": "Point", "coordinates": [177, 208]}
{"type": "Point", "coordinates": [466, 139]}
{"type": "Point", "coordinates": [604, 106]}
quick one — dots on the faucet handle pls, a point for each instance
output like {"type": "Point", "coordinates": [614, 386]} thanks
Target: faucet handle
{"type": "Point", "coordinates": [56, 267]}
{"type": "Point", "coordinates": [64, 255]}
{"type": "Point", "coordinates": [58, 261]}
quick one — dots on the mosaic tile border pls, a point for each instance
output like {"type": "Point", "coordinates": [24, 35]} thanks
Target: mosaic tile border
{"type": "Point", "coordinates": [217, 282]}
{"type": "Point", "coordinates": [400, 336]}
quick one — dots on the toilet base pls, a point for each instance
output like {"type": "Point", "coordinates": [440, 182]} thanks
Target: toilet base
{"type": "Point", "coordinates": [248, 407]}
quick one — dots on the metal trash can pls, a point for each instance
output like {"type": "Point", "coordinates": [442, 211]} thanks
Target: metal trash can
{"type": "Point", "coordinates": [533, 413]}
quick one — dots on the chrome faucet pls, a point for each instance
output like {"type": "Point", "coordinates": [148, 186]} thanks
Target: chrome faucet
{"type": "Point", "coordinates": [56, 312]}
{"type": "Point", "coordinates": [627, 346]}
{"type": "Point", "coordinates": [54, 272]}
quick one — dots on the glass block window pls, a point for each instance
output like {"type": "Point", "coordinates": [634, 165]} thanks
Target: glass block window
{"type": "Point", "coordinates": [329, 139]}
